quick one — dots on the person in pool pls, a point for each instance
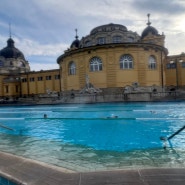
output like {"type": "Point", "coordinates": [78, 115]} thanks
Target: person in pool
{"type": "Point", "coordinates": [113, 116]}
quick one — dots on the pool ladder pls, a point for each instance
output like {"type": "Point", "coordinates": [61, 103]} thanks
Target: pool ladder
{"type": "Point", "coordinates": [178, 131]}
{"type": "Point", "coordinates": [170, 137]}
{"type": "Point", "coordinates": [8, 128]}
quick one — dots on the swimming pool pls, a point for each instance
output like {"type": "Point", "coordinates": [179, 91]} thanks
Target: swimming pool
{"type": "Point", "coordinates": [87, 138]}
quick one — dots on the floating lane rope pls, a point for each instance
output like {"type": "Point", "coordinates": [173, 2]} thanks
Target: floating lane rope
{"type": "Point", "coordinates": [83, 118]}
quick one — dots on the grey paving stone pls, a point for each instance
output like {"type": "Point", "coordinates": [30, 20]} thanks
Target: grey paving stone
{"type": "Point", "coordinates": [31, 172]}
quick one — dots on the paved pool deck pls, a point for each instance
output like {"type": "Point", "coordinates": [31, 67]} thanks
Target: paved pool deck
{"type": "Point", "coordinates": [25, 171]}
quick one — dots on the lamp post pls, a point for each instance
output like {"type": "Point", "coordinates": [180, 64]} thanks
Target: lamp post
{"type": "Point", "coordinates": [176, 61]}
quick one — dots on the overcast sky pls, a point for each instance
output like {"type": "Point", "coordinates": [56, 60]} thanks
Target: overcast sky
{"type": "Point", "coordinates": [43, 29]}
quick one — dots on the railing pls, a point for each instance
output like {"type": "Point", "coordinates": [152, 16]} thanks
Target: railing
{"type": "Point", "coordinates": [164, 139]}
{"type": "Point", "coordinates": [178, 131]}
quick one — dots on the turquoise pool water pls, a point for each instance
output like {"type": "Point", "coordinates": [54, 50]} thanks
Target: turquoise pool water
{"type": "Point", "coordinates": [86, 137]}
{"type": "Point", "coordinates": [5, 181]}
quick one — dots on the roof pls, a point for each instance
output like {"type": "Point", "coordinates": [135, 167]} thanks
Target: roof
{"type": "Point", "coordinates": [10, 51]}
{"type": "Point", "coordinates": [149, 30]}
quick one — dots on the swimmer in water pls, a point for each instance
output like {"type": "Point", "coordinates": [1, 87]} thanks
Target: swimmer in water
{"type": "Point", "coordinates": [113, 116]}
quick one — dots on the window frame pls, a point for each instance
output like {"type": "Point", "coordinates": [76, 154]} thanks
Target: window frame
{"type": "Point", "coordinates": [126, 62]}
{"type": "Point", "coordinates": [171, 65]}
{"type": "Point", "coordinates": [152, 63]}
{"type": "Point", "coordinates": [183, 64]}
{"type": "Point", "coordinates": [32, 79]}
{"type": "Point", "coordinates": [101, 40]}
{"type": "Point", "coordinates": [6, 89]}
{"type": "Point", "coordinates": [116, 39]}
{"type": "Point", "coordinates": [40, 78]}
{"type": "Point", "coordinates": [57, 77]}
{"type": "Point", "coordinates": [48, 77]}
{"type": "Point", "coordinates": [72, 68]}
{"type": "Point", "coordinates": [95, 64]}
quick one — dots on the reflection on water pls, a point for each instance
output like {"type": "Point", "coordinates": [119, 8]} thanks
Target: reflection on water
{"type": "Point", "coordinates": [83, 139]}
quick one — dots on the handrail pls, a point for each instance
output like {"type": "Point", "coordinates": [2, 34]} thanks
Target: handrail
{"type": "Point", "coordinates": [170, 137]}
{"type": "Point", "coordinates": [3, 126]}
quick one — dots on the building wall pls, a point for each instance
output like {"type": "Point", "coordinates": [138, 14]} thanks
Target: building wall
{"type": "Point", "coordinates": [175, 70]}
{"type": "Point", "coordinates": [112, 75]}
{"type": "Point", "coordinates": [40, 82]}
{"type": "Point", "coordinates": [27, 84]}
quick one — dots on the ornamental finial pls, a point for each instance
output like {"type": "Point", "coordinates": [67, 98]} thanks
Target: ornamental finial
{"type": "Point", "coordinates": [148, 23]}
{"type": "Point", "coordinates": [76, 33]}
{"type": "Point", "coordinates": [10, 32]}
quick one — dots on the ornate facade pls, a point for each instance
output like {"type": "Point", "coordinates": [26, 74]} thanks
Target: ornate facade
{"type": "Point", "coordinates": [114, 57]}
{"type": "Point", "coordinates": [12, 60]}
{"type": "Point", "coordinates": [16, 79]}
{"type": "Point", "coordinates": [109, 59]}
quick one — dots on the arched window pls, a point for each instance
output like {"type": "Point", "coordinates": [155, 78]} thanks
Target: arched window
{"type": "Point", "coordinates": [95, 64]}
{"type": "Point", "coordinates": [116, 39]}
{"type": "Point", "coordinates": [130, 39]}
{"type": "Point", "coordinates": [72, 68]}
{"type": "Point", "coordinates": [101, 40]}
{"type": "Point", "coordinates": [126, 62]}
{"type": "Point", "coordinates": [152, 62]}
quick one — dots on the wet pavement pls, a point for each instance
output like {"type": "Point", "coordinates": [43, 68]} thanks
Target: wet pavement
{"type": "Point", "coordinates": [25, 171]}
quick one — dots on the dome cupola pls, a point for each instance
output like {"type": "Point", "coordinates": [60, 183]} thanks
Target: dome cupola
{"type": "Point", "coordinates": [12, 59]}
{"type": "Point", "coordinates": [149, 29]}
{"type": "Point", "coordinates": [10, 51]}
{"type": "Point", "coordinates": [76, 42]}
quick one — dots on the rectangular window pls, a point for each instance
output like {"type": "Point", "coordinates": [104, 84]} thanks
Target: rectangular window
{"type": "Point", "coordinates": [40, 78]}
{"type": "Point", "coordinates": [6, 89]}
{"type": "Point", "coordinates": [101, 40]}
{"type": "Point", "coordinates": [48, 77]}
{"type": "Point", "coordinates": [32, 79]}
{"type": "Point", "coordinates": [16, 88]}
{"type": "Point", "coordinates": [116, 39]}
{"type": "Point", "coordinates": [24, 79]}
{"type": "Point", "coordinates": [57, 77]}
{"type": "Point", "coordinates": [183, 64]}
{"type": "Point", "coordinates": [168, 66]}
{"type": "Point", "coordinates": [171, 65]}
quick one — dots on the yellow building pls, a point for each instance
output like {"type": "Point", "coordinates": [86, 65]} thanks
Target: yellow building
{"type": "Point", "coordinates": [175, 71]}
{"type": "Point", "coordinates": [30, 84]}
{"type": "Point", "coordinates": [113, 57]}
{"type": "Point", "coordinates": [109, 60]}
{"type": "Point", "coordinates": [16, 79]}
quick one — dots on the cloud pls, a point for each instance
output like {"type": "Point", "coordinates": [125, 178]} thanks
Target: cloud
{"type": "Point", "coordinates": [31, 47]}
{"type": "Point", "coordinates": [39, 62]}
{"type": "Point", "coordinates": [44, 29]}
{"type": "Point", "coordinates": [165, 7]}
{"type": "Point", "coordinates": [40, 56]}
{"type": "Point", "coordinates": [174, 43]}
